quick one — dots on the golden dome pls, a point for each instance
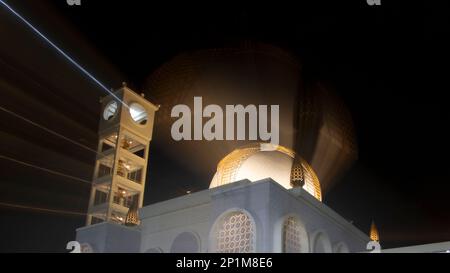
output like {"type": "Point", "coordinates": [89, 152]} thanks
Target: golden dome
{"type": "Point", "coordinates": [255, 162]}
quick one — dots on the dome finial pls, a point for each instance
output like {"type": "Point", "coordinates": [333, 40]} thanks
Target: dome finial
{"type": "Point", "coordinates": [374, 236]}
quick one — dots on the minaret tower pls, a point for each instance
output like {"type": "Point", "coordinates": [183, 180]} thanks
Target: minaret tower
{"type": "Point", "coordinates": [374, 236]}
{"type": "Point", "coordinates": [125, 131]}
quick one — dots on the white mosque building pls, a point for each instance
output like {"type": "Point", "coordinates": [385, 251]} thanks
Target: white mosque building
{"type": "Point", "coordinates": [250, 207]}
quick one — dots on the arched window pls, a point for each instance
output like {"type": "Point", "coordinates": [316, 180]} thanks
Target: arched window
{"type": "Point", "coordinates": [295, 238]}
{"type": "Point", "coordinates": [235, 233]}
{"type": "Point", "coordinates": [321, 243]}
{"type": "Point", "coordinates": [154, 250]}
{"type": "Point", "coordinates": [185, 242]}
{"type": "Point", "coordinates": [341, 248]}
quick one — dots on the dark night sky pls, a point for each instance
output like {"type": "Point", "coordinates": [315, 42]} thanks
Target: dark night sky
{"type": "Point", "coordinates": [389, 63]}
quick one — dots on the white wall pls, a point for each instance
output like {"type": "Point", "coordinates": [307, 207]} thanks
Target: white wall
{"type": "Point", "coordinates": [265, 201]}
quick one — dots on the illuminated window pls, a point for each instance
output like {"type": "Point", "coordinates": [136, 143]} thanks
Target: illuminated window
{"type": "Point", "coordinates": [110, 110]}
{"type": "Point", "coordinates": [138, 113]}
{"type": "Point", "coordinates": [133, 146]}
{"type": "Point", "coordinates": [293, 236]}
{"type": "Point", "coordinates": [125, 198]}
{"type": "Point", "coordinates": [108, 142]}
{"type": "Point", "coordinates": [135, 176]}
{"type": "Point", "coordinates": [128, 169]}
{"type": "Point", "coordinates": [118, 217]}
{"type": "Point", "coordinates": [235, 233]}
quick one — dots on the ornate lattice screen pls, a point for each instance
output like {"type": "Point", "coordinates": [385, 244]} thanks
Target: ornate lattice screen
{"type": "Point", "coordinates": [235, 233]}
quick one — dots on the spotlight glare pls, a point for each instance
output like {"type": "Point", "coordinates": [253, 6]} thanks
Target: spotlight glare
{"type": "Point", "coordinates": [62, 52]}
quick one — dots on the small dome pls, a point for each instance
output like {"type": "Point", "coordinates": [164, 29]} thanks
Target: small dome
{"type": "Point", "coordinates": [254, 163]}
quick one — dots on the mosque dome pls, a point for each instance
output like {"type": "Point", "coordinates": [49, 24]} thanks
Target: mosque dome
{"type": "Point", "coordinates": [255, 162]}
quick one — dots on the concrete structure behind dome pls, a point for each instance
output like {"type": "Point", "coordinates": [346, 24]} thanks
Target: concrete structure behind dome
{"type": "Point", "coordinates": [314, 122]}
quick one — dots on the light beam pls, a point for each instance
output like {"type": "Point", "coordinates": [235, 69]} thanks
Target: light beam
{"type": "Point", "coordinates": [60, 51]}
